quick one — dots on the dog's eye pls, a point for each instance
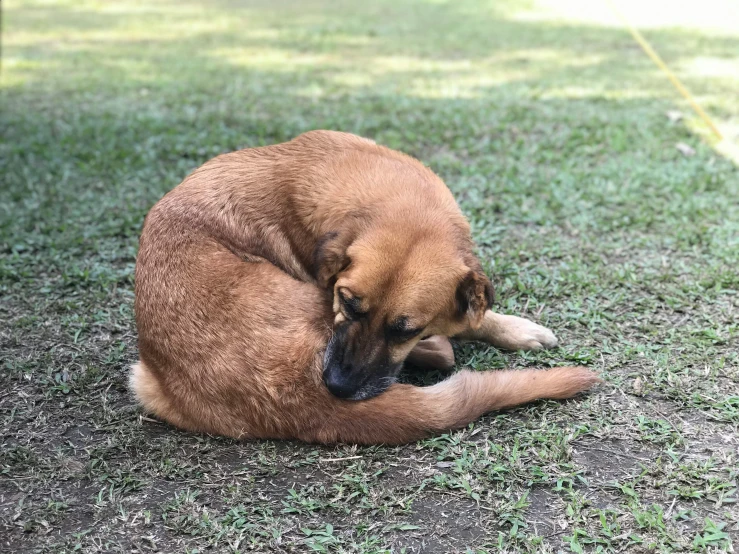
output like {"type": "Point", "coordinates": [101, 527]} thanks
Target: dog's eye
{"type": "Point", "coordinates": [352, 307]}
{"type": "Point", "coordinates": [408, 334]}
{"type": "Point", "coordinates": [400, 331]}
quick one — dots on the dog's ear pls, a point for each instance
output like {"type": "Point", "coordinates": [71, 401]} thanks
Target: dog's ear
{"type": "Point", "coordinates": [329, 257]}
{"type": "Point", "coordinates": [474, 297]}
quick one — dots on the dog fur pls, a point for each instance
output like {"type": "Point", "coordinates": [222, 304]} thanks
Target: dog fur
{"type": "Point", "coordinates": [272, 276]}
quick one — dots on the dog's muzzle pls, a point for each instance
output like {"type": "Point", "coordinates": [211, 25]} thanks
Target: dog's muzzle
{"type": "Point", "coordinates": [350, 378]}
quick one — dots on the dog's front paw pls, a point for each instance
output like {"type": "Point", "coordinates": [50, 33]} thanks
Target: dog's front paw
{"type": "Point", "coordinates": [433, 353]}
{"type": "Point", "coordinates": [522, 334]}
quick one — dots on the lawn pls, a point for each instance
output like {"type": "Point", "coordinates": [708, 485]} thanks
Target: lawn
{"type": "Point", "coordinates": [557, 136]}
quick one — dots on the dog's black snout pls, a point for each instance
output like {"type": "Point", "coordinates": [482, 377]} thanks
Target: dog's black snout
{"type": "Point", "coordinates": [337, 385]}
{"type": "Point", "coordinates": [339, 372]}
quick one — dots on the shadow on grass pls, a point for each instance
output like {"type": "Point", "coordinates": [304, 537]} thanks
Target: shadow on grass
{"type": "Point", "coordinates": [356, 48]}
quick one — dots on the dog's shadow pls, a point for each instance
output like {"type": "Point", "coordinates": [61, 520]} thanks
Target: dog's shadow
{"type": "Point", "coordinates": [422, 377]}
{"type": "Point", "coordinates": [465, 356]}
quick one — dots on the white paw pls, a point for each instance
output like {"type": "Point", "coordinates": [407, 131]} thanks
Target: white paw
{"type": "Point", "coordinates": [522, 334]}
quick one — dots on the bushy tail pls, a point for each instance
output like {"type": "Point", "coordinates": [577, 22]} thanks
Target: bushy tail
{"type": "Point", "coordinates": [405, 413]}
{"type": "Point", "coordinates": [401, 414]}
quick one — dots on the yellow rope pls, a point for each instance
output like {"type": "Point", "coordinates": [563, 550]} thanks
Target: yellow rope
{"type": "Point", "coordinates": [649, 51]}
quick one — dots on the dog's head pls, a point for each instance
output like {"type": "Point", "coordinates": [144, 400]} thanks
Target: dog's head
{"type": "Point", "coordinates": [390, 290]}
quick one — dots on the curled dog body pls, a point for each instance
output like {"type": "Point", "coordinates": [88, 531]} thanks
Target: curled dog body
{"type": "Point", "coordinates": [279, 290]}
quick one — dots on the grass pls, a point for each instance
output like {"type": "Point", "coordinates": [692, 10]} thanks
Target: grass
{"type": "Point", "coordinates": [550, 126]}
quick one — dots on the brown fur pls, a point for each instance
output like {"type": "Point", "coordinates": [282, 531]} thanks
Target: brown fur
{"type": "Point", "coordinates": [239, 281]}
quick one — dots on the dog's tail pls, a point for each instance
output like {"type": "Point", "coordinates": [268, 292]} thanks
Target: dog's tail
{"type": "Point", "coordinates": [405, 413]}
{"type": "Point", "coordinates": [401, 414]}
{"type": "Point", "coordinates": [148, 390]}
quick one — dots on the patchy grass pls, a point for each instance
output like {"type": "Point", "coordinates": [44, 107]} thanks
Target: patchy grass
{"type": "Point", "coordinates": [550, 127]}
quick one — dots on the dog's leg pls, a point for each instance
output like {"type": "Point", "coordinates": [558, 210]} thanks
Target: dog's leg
{"type": "Point", "coordinates": [433, 353]}
{"type": "Point", "coordinates": [406, 413]}
{"type": "Point", "coordinates": [511, 333]}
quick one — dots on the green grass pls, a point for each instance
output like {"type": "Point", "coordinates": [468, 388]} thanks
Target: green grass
{"type": "Point", "coordinates": [551, 128]}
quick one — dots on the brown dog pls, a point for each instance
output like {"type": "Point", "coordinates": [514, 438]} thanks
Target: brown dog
{"type": "Point", "coordinates": [280, 289]}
